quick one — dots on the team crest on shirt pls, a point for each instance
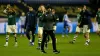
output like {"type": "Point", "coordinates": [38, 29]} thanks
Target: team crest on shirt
{"type": "Point", "coordinates": [10, 16]}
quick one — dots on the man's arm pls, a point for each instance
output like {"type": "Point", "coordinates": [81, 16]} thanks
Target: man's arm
{"type": "Point", "coordinates": [66, 18]}
{"type": "Point", "coordinates": [26, 21]}
{"type": "Point", "coordinates": [35, 18]}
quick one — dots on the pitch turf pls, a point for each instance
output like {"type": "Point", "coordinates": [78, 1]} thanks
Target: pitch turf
{"type": "Point", "coordinates": [66, 49]}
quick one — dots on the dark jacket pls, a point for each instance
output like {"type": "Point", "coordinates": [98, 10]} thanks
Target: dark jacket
{"type": "Point", "coordinates": [85, 19]}
{"type": "Point", "coordinates": [48, 21]}
{"type": "Point", "coordinates": [31, 19]}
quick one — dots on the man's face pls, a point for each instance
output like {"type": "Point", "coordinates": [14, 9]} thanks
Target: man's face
{"type": "Point", "coordinates": [42, 8]}
{"type": "Point", "coordinates": [53, 11]}
{"type": "Point", "coordinates": [8, 6]}
{"type": "Point", "coordinates": [98, 9]}
{"type": "Point", "coordinates": [30, 9]}
{"type": "Point", "coordinates": [23, 13]}
{"type": "Point", "coordinates": [49, 10]}
{"type": "Point", "coordinates": [79, 9]}
{"type": "Point", "coordinates": [84, 8]}
{"type": "Point", "coordinates": [10, 9]}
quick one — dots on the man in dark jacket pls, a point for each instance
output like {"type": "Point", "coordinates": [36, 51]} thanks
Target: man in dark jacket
{"type": "Point", "coordinates": [86, 23]}
{"type": "Point", "coordinates": [30, 24]}
{"type": "Point", "coordinates": [48, 22]}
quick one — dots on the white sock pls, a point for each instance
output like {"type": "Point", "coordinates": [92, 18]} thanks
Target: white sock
{"type": "Point", "coordinates": [30, 40]}
{"type": "Point", "coordinates": [15, 42]}
{"type": "Point", "coordinates": [75, 37]}
{"type": "Point", "coordinates": [39, 40]}
{"type": "Point", "coordinates": [7, 38]}
{"type": "Point", "coordinates": [88, 40]}
{"type": "Point", "coordinates": [33, 43]}
{"type": "Point", "coordinates": [6, 43]}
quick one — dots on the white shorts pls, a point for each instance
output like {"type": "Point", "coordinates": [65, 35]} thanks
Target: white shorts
{"type": "Point", "coordinates": [77, 29]}
{"type": "Point", "coordinates": [98, 27]}
{"type": "Point", "coordinates": [11, 29]}
{"type": "Point", "coordinates": [40, 30]}
{"type": "Point", "coordinates": [54, 28]}
{"type": "Point", "coordinates": [85, 29]}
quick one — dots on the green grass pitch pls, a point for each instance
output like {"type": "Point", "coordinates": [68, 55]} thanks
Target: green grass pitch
{"type": "Point", "coordinates": [66, 49]}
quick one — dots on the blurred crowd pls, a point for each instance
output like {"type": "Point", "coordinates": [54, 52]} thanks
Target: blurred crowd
{"type": "Point", "coordinates": [72, 10]}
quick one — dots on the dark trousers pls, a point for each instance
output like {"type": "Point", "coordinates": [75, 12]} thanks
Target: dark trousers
{"type": "Point", "coordinates": [28, 29]}
{"type": "Point", "coordinates": [45, 34]}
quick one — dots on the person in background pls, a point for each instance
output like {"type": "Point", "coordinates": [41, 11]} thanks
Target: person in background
{"type": "Point", "coordinates": [22, 18]}
{"type": "Point", "coordinates": [55, 23]}
{"type": "Point", "coordinates": [66, 25]}
{"type": "Point", "coordinates": [30, 25]}
{"type": "Point", "coordinates": [11, 26]}
{"type": "Point", "coordinates": [78, 29]}
{"type": "Point", "coordinates": [98, 21]}
{"type": "Point", "coordinates": [86, 23]}
{"type": "Point", "coordinates": [41, 12]}
{"type": "Point", "coordinates": [48, 22]}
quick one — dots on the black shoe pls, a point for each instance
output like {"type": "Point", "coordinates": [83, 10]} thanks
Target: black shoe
{"type": "Point", "coordinates": [88, 42]}
{"type": "Point", "coordinates": [72, 42]}
{"type": "Point", "coordinates": [31, 44]}
{"type": "Point", "coordinates": [46, 46]}
{"type": "Point", "coordinates": [43, 51]}
{"type": "Point", "coordinates": [38, 48]}
{"type": "Point", "coordinates": [56, 52]}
